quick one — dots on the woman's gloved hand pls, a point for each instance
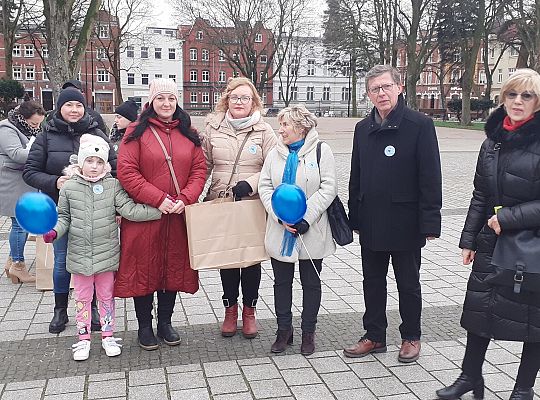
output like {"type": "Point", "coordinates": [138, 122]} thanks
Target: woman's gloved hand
{"type": "Point", "coordinates": [49, 236]}
{"type": "Point", "coordinates": [301, 227]}
{"type": "Point", "coordinates": [242, 189]}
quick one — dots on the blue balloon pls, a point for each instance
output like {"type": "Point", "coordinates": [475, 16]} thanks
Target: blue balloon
{"type": "Point", "coordinates": [36, 213]}
{"type": "Point", "coordinates": [289, 203]}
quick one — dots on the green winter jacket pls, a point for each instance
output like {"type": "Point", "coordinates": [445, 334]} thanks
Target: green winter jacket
{"type": "Point", "coordinates": [87, 214]}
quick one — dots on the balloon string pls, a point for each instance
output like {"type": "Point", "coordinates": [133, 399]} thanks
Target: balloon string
{"type": "Point", "coordinates": [310, 259]}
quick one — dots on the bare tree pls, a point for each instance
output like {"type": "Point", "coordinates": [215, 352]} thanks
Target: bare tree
{"type": "Point", "coordinates": [524, 16]}
{"type": "Point", "coordinates": [385, 15]}
{"type": "Point", "coordinates": [12, 11]}
{"type": "Point", "coordinates": [494, 14]}
{"type": "Point", "coordinates": [290, 70]}
{"type": "Point", "coordinates": [233, 27]}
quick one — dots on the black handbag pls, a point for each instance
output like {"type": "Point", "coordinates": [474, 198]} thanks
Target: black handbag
{"type": "Point", "coordinates": [516, 257]}
{"type": "Point", "coordinates": [337, 217]}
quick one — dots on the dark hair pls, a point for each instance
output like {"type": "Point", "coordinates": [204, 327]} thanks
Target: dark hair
{"type": "Point", "coordinates": [31, 107]}
{"type": "Point", "coordinates": [185, 125]}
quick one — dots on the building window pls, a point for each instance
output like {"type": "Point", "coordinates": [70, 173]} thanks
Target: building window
{"type": "Point", "coordinates": [17, 73]}
{"type": "Point", "coordinates": [217, 96]}
{"type": "Point", "coordinates": [482, 77]}
{"type": "Point", "coordinates": [193, 75]}
{"type": "Point", "coordinates": [311, 67]}
{"type": "Point", "coordinates": [131, 78]}
{"type": "Point", "coordinates": [102, 75]}
{"type": "Point", "coordinates": [158, 76]}
{"type": "Point", "coordinates": [157, 53]}
{"type": "Point", "coordinates": [205, 76]}
{"type": "Point", "coordinates": [222, 77]}
{"type": "Point", "coordinates": [144, 52]}
{"type": "Point", "coordinates": [345, 94]}
{"type": "Point", "coordinates": [144, 79]}
{"type": "Point", "coordinates": [500, 75]}
{"type": "Point", "coordinates": [16, 50]}
{"type": "Point", "coordinates": [511, 71]}
{"type": "Point", "coordinates": [45, 73]}
{"type": "Point", "coordinates": [221, 55]}
{"type": "Point", "coordinates": [199, 35]}
{"type": "Point", "coordinates": [326, 93]}
{"type": "Point", "coordinates": [30, 73]}
{"type": "Point", "coordinates": [205, 97]}
{"type": "Point", "coordinates": [172, 54]}
{"type": "Point", "coordinates": [45, 51]}
{"type": "Point", "coordinates": [103, 31]}
{"type": "Point", "coordinates": [169, 33]}
{"type": "Point", "coordinates": [101, 53]}
{"type": "Point", "coordinates": [280, 94]}
{"type": "Point", "coordinates": [173, 77]}
{"type": "Point", "coordinates": [294, 93]}
{"type": "Point", "coordinates": [258, 37]}
{"type": "Point", "coordinates": [514, 52]}
{"type": "Point", "coordinates": [193, 54]}
{"type": "Point", "coordinates": [326, 68]}
{"type": "Point", "coordinates": [28, 50]}
{"type": "Point", "coordinates": [193, 97]}
{"type": "Point", "coordinates": [264, 58]}
{"type": "Point", "coordinates": [157, 31]}
{"type": "Point", "coordinates": [310, 93]}
{"type": "Point", "coordinates": [205, 55]}
{"type": "Point", "coordinates": [130, 52]}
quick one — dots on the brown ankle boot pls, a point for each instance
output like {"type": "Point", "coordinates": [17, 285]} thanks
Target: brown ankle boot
{"type": "Point", "coordinates": [19, 273]}
{"type": "Point", "coordinates": [8, 266]}
{"type": "Point", "coordinates": [249, 324]}
{"type": "Point", "coordinates": [229, 326]}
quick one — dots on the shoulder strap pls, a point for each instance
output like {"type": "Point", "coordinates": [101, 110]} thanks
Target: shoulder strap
{"type": "Point", "coordinates": [238, 157]}
{"type": "Point", "coordinates": [168, 158]}
{"type": "Point", "coordinates": [319, 155]}
{"type": "Point", "coordinates": [494, 175]}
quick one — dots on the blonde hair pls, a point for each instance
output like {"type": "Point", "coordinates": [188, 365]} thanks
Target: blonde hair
{"type": "Point", "coordinates": [523, 79]}
{"type": "Point", "coordinates": [299, 116]}
{"type": "Point", "coordinates": [223, 103]}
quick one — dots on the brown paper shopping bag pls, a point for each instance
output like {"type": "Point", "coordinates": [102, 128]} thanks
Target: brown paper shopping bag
{"type": "Point", "coordinates": [44, 264]}
{"type": "Point", "coordinates": [226, 234]}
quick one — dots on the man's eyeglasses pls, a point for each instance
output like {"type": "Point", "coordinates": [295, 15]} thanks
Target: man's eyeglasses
{"type": "Point", "coordinates": [242, 99]}
{"type": "Point", "coordinates": [525, 96]}
{"type": "Point", "coordinates": [387, 87]}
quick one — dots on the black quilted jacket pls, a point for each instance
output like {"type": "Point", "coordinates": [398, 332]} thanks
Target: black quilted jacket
{"type": "Point", "coordinates": [489, 310]}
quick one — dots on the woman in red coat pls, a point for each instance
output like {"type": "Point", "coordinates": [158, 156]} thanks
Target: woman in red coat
{"type": "Point", "coordinates": [154, 255]}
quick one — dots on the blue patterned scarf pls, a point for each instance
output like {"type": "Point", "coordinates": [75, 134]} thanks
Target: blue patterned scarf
{"type": "Point", "coordinates": [289, 176]}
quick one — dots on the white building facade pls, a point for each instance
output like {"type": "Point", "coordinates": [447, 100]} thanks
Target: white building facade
{"type": "Point", "coordinates": [156, 54]}
{"type": "Point", "coordinates": [324, 89]}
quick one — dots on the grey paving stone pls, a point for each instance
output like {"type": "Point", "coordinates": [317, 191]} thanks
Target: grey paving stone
{"type": "Point", "coordinates": [269, 388]}
{"type": "Point", "coordinates": [369, 370]}
{"type": "Point", "coordinates": [234, 396]}
{"type": "Point", "coordinates": [227, 384]}
{"type": "Point", "coordinates": [310, 392]}
{"type": "Point", "coordinates": [26, 394]}
{"type": "Point", "coordinates": [328, 364]}
{"type": "Point", "coordinates": [183, 368]}
{"type": "Point", "coordinates": [300, 376]}
{"type": "Point", "coordinates": [147, 392]}
{"type": "Point", "coordinates": [65, 385]}
{"type": "Point", "coordinates": [259, 372]}
{"type": "Point", "coordinates": [498, 382]}
{"type": "Point", "coordinates": [255, 361]}
{"type": "Point", "coordinates": [221, 368]}
{"type": "Point", "coordinates": [108, 388]}
{"type": "Point", "coordinates": [403, 396]}
{"type": "Point", "coordinates": [435, 362]}
{"type": "Point", "coordinates": [500, 356]}
{"type": "Point", "coordinates": [385, 386]}
{"type": "Point", "coordinates": [425, 390]}
{"type": "Point", "coordinates": [291, 361]}
{"type": "Point", "coordinates": [66, 396]}
{"type": "Point", "coordinates": [411, 373]}
{"type": "Point", "coordinates": [191, 394]}
{"type": "Point", "coordinates": [106, 376]}
{"type": "Point", "coordinates": [354, 394]}
{"type": "Point", "coordinates": [342, 380]}
{"type": "Point", "coordinates": [26, 385]}
{"type": "Point", "coordinates": [186, 380]}
{"type": "Point", "coordinates": [146, 377]}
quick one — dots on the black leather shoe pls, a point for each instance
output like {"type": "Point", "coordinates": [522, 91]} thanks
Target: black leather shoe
{"type": "Point", "coordinates": [462, 385]}
{"type": "Point", "coordinates": [146, 339]}
{"type": "Point", "coordinates": [168, 334]}
{"type": "Point", "coordinates": [95, 326]}
{"type": "Point", "coordinates": [522, 394]}
{"type": "Point", "coordinates": [59, 320]}
{"type": "Point", "coordinates": [283, 339]}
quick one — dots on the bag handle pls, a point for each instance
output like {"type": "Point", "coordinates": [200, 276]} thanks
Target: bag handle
{"type": "Point", "coordinates": [168, 158]}
{"type": "Point", "coordinates": [238, 158]}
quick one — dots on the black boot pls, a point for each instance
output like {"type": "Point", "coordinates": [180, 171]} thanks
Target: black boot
{"type": "Point", "coordinates": [462, 385]}
{"type": "Point", "coordinates": [143, 311]}
{"type": "Point", "coordinates": [308, 343]}
{"type": "Point", "coordinates": [95, 326]}
{"type": "Point", "coordinates": [60, 317]}
{"type": "Point", "coordinates": [165, 331]}
{"type": "Point", "coordinates": [522, 393]}
{"type": "Point", "coordinates": [284, 337]}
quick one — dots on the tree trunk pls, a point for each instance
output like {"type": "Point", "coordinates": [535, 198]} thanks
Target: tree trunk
{"type": "Point", "coordinates": [8, 39]}
{"type": "Point", "coordinates": [354, 81]}
{"type": "Point", "coordinates": [410, 87]}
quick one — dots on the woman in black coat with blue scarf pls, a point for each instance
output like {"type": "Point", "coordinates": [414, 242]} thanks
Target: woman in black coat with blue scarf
{"type": "Point", "coordinates": [492, 310]}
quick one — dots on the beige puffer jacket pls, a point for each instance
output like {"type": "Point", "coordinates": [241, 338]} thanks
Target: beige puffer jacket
{"type": "Point", "coordinates": [221, 144]}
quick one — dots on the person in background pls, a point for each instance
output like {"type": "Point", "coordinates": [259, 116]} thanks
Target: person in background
{"type": "Point", "coordinates": [237, 128]}
{"type": "Point", "coordinates": [48, 157]}
{"type": "Point", "coordinates": [294, 161]}
{"type": "Point", "coordinates": [492, 311]}
{"type": "Point", "coordinates": [17, 132]}
{"type": "Point", "coordinates": [395, 199]}
{"type": "Point", "coordinates": [126, 113]}
{"type": "Point", "coordinates": [154, 255]}
{"type": "Point", "coordinates": [74, 83]}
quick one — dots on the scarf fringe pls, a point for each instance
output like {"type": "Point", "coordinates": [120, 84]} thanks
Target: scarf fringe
{"type": "Point", "coordinates": [288, 244]}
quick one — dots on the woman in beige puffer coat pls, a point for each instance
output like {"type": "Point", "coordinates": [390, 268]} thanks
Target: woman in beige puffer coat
{"type": "Point", "coordinates": [237, 127]}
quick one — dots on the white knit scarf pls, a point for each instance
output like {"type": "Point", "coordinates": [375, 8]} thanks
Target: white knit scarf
{"type": "Point", "coordinates": [243, 123]}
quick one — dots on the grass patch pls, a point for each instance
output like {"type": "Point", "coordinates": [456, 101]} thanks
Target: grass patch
{"type": "Point", "coordinates": [477, 126]}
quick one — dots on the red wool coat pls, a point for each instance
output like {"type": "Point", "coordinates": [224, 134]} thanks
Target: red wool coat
{"type": "Point", "coordinates": [154, 254]}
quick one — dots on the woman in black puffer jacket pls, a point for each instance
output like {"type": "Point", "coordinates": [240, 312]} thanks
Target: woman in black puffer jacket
{"type": "Point", "coordinates": [48, 157]}
{"type": "Point", "coordinates": [491, 311]}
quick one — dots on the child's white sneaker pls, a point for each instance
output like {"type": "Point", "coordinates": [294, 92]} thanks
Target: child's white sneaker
{"type": "Point", "coordinates": [81, 350]}
{"type": "Point", "coordinates": [111, 346]}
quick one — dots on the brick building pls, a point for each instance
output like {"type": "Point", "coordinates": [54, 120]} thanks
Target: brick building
{"type": "Point", "coordinates": [206, 69]}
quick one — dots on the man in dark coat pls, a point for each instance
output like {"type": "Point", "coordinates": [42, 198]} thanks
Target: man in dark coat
{"type": "Point", "coordinates": [395, 196]}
